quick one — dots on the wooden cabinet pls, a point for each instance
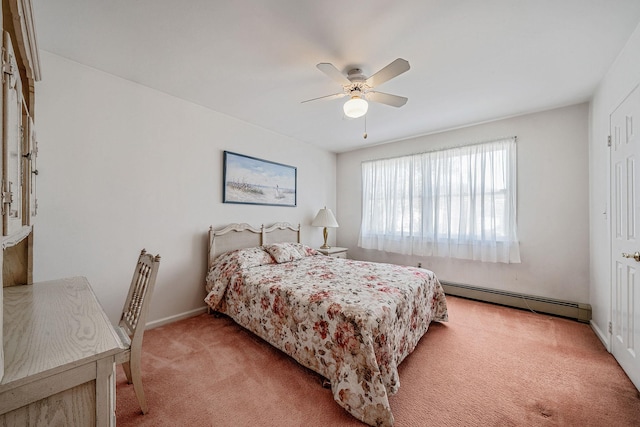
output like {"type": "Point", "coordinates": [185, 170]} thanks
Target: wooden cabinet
{"type": "Point", "coordinates": [335, 252]}
{"type": "Point", "coordinates": [20, 71]}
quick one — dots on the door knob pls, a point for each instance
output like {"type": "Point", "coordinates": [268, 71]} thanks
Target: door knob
{"type": "Point", "coordinates": [635, 255]}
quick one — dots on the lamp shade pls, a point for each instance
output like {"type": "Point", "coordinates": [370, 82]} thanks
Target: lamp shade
{"type": "Point", "coordinates": [355, 107]}
{"type": "Point", "coordinates": [325, 218]}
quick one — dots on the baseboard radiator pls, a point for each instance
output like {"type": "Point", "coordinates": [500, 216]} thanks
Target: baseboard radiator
{"type": "Point", "coordinates": [572, 310]}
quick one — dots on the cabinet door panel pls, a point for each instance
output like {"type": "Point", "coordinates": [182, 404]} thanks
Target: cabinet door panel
{"type": "Point", "coordinates": [30, 150]}
{"type": "Point", "coordinates": [33, 204]}
{"type": "Point", "coordinates": [12, 137]}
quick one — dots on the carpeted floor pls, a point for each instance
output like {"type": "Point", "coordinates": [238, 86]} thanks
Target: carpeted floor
{"type": "Point", "coordinates": [488, 366]}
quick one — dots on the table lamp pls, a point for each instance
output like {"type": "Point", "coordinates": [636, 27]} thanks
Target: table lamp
{"type": "Point", "coordinates": [325, 219]}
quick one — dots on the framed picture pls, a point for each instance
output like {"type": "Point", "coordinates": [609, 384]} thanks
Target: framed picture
{"type": "Point", "coordinates": [253, 181]}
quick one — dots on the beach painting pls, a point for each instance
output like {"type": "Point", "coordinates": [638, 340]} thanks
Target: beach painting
{"type": "Point", "coordinates": [254, 181]}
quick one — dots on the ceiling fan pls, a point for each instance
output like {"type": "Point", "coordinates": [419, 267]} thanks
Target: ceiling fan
{"type": "Point", "coordinates": [359, 88]}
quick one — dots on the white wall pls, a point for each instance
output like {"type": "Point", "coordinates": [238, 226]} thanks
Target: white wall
{"type": "Point", "coordinates": [552, 204]}
{"type": "Point", "coordinates": [124, 167]}
{"type": "Point", "coordinates": [620, 80]}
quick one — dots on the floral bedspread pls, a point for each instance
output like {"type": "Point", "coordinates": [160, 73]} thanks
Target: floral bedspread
{"type": "Point", "coordinates": [353, 322]}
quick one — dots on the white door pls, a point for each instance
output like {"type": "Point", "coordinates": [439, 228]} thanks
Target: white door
{"type": "Point", "coordinates": [625, 235]}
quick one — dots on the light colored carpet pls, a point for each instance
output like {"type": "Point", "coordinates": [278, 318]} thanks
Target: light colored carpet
{"type": "Point", "coordinates": [488, 366]}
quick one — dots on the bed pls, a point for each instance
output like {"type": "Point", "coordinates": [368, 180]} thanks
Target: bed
{"type": "Point", "coordinates": [352, 322]}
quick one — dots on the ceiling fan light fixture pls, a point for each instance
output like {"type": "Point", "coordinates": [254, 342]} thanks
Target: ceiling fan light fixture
{"type": "Point", "coordinates": [355, 107]}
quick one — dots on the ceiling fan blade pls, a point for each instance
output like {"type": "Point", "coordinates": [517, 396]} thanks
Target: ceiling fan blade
{"type": "Point", "coordinates": [392, 70]}
{"type": "Point", "coordinates": [334, 96]}
{"type": "Point", "coordinates": [386, 98]}
{"type": "Point", "coordinates": [335, 74]}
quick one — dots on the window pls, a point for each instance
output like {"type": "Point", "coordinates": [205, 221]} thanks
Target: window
{"type": "Point", "coordinates": [458, 202]}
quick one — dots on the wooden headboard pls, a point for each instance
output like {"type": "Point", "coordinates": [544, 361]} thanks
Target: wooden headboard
{"type": "Point", "coordinates": [239, 236]}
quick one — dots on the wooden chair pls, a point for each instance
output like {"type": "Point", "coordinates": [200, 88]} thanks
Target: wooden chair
{"type": "Point", "coordinates": [133, 321]}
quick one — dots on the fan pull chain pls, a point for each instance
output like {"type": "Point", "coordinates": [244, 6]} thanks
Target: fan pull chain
{"type": "Point", "coordinates": [365, 127]}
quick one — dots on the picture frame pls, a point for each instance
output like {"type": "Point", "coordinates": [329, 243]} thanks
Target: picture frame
{"type": "Point", "coordinates": [253, 181]}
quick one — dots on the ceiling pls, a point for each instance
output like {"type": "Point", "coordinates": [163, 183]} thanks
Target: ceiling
{"type": "Point", "coordinates": [471, 61]}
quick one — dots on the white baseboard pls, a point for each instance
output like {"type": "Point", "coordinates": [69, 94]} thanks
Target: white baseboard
{"type": "Point", "coordinates": [604, 338]}
{"type": "Point", "coordinates": [175, 318]}
{"type": "Point", "coordinates": [573, 310]}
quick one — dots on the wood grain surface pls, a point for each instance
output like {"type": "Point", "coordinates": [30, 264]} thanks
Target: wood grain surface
{"type": "Point", "coordinates": [51, 326]}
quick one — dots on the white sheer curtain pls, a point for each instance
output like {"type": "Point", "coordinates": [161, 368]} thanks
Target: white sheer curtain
{"type": "Point", "coordinates": [458, 202]}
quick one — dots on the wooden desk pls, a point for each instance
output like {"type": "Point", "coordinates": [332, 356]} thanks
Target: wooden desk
{"type": "Point", "coordinates": [59, 351]}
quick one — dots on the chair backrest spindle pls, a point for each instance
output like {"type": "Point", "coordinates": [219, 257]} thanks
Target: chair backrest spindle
{"type": "Point", "coordinates": [136, 305]}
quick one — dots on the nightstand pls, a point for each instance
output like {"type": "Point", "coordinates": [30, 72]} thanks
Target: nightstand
{"type": "Point", "coordinates": [334, 251]}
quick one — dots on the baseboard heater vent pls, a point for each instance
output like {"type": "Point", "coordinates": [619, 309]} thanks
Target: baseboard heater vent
{"type": "Point", "coordinates": [572, 310]}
